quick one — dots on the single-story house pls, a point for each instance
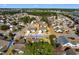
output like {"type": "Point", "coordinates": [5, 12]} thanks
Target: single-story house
{"type": "Point", "coordinates": [77, 28]}
{"type": "Point", "coordinates": [58, 29]}
{"type": "Point", "coordinates": [31, 28]}
{"type": "Point", "coordinates": [66, 43]}
{"type": "Point", "coordinates": [62, 40]}
{"type": "Point", "coordinates": [42, 24]}
{"type": "Point", "coordinates": [42, 29]}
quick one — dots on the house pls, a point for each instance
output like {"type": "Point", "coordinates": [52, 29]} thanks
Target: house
{"type": "Point", "coordinates": [8, 23]}
{"type": "Point", "coordinates": [39, 32]}
{"type": "Point", "coordinates": [70, 24]}
{"type": "Point", "coordinates": [1, 46]}
{"type": "Point", "coordinates": [21, 23]}
{"type": "Point", "coordinates": [28, 32]}
{"type": "Point", "coordinates": [33, 22]}
{"type": "Point", "coordinates": [19, 51]}
{"type": "Point", "coordinates": [58, 29]}
{"type": "Point", "coordinates": [1, 21]}
{"type": "Point", "coordinates": [42, 24]}
{"type": "Point", "coordinates": [65, 42]}
{"type": "Point", "coordinates": [77, 28]}
{"type": "Point", "coordinates": [11, 27]}
{"type": "Point", "coordinates": [70, 52]}
{"type": "Point", "coordinates": [31, 28]}
{"type": "Point", "coordinates": [42, 29]}
{"type": "Point", "coordinates": [75, 19]}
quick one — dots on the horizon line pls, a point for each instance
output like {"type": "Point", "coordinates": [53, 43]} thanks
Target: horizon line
{"type": "Point", "coordinates": [41, 6]}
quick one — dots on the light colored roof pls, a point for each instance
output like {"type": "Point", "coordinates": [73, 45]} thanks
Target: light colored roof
{"type": "Point", "coordinates": [59, 30]}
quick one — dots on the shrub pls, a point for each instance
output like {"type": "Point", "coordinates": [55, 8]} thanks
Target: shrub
{"type": "Point", "coordinates": [4, 27]}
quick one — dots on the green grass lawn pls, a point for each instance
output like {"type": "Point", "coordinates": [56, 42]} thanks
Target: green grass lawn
{"type": "Point", "coordinates": [39, 48]}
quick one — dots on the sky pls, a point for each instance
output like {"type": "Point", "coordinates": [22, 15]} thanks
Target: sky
{"type": "Point", "coordinates": [71, 6]}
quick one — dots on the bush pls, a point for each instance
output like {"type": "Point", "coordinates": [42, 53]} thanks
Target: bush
{"type": "Point", "coordinates": [51, 37]}
{"type": "Point", "coordinates": [4, 27]}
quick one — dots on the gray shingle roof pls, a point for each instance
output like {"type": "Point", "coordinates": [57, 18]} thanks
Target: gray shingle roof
{"type": "Point", "coordinates": [70, 52]}
{"type": "Point", "coordinates": [62, 40]}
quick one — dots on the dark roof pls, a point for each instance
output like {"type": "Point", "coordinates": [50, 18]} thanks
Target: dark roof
{"type": "Point", "coordinates": [62, 40]}
{"type": "Point", "coordinates": [70, 52]}
{"type": "Point", "coordinates": [78, 28]}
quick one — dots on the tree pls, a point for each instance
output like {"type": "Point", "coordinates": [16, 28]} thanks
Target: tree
{"type": "Point", "coordinates": [42, 13]}
{"type": "Point", "coordinates": [39, 48]}
{"type": "Point", "coordinates": [25, 19]}
{"type": "Point", "coordinates": [4, 27]}
{"type": "Point", "coordinates": [44, 19]}
{"type": "Point", "coordinates": [32, 19]}
{"type": "Point", "coordinates": [11, 34]}
{"type": "Point", "coordinates": [14, 23]}
{"type": "Point", "coordinates": [77, 32]}
{"type": "Point", "coordinates": [51, 37]}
